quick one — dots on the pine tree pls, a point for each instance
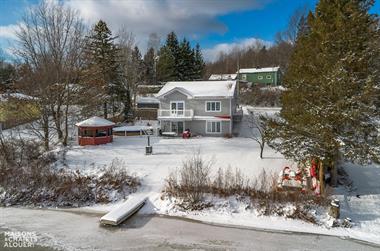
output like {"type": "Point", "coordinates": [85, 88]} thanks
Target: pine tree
{"type": "Point", "coordinates": [186, 61]}
{"type": "Point", "coordinates": [149, 65]}
{"type": "Point", "coordinates": [179, 62]}
{"type": "Point", "coordinates": [103, 66]}
{"type": "Point", "coordinates": [165, 65]}
{"type": "Point", "coordinates": [168, 61]}
{"type": "Point", "coordinates": [329, 109]}
{"type": "Point", "coordinates": [199, 68]}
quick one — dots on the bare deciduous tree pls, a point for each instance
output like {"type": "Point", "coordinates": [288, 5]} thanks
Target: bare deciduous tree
{"type": "Point", "coordinates": [126, 41]}
{"type": "Point", "coordinates": [258, 128]}
{"type": "Point", "coordinates": [50, 45]}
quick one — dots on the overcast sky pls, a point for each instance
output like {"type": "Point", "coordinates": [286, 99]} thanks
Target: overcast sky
{"type": "Point", "coordinates": [218, 25]}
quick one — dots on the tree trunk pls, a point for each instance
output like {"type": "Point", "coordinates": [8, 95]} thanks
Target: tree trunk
{"type": "Point", "coordinates": [65, 138]}
{"type": "Point", "coordinates": [321, 178]}
{"type": "Point", "coordinates": [262, 149]}
{"type": "Point", "coordinates": [56, 114]}
{"type": "Point", "coordinates": [46, 130]}
{"type": "Point", "coordinates": [334, 173]}
{"type": "Point", "coordinates": [105, 112]}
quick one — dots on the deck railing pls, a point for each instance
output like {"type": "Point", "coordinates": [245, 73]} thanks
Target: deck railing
{"type": "Point", "coordinates": [175, 113]}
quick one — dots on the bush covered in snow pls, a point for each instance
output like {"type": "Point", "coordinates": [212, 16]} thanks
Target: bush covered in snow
{"type": "Point", "coordinates": [27, 178]}
{"type": "Point", "coordinates": [194, 188]}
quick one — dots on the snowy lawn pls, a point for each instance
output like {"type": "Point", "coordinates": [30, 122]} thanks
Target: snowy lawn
{"type": "Point", "coordinates": [168, 155]}
{"type": "Point", "coordinates": [362, 203]}
{"type": "Point", "coordinates": [242, 153]}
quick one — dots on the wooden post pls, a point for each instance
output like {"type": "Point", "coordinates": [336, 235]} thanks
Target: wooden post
{"type": "Point", "coordinates": [321, 178]}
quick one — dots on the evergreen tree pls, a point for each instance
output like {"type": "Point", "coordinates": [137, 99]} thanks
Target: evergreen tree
{"type": "Point", "coordinates": [165, 65]}
{"type": "Point", "coordinates": [171, 57]}
{"type": "Point", "coordinates": [179, 62]}
{"type": "Point", "coordinates": [7, 76]}
{"type": "Point", "coordinates": [329, 107]}
{"type": "Point", "coordinates": [149, 64]}
{"type": "Point", "coordinates": [103, 66]}
{"type": "Point", "coordinates": [199, 68]}
{"type": "Point", "coordinates": [186, 62]}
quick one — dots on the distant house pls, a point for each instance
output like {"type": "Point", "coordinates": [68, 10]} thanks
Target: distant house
{"type": "Point", "coordinates": [147, 102]}
{"type": "Point", "coordinates": [146, 108]}
{"type": "Point", "coordinates": [204, 107]}
{"type": "Point", "coordinates": [223, 77]}
{"type": "Point", "coordinates": [269, 76]}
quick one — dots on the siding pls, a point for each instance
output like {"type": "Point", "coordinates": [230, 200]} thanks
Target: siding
{"type": "Point", "coordinates": [198, 127]}
{"type": "Point", "coordinates": [198, 105]}
{"type": "Point", "coordinates": [253, 77]}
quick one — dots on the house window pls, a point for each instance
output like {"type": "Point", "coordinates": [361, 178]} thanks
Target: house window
{"type": "Point", "coordinates": [177, 108]}
{"type": "Point", "coordinates": [260, 77]}
{"type": "Point", "coordinates": [213, 106]}
{"type": "Point", "coordinates": [243, 76]}
{"type": "Point", "coordinates": [213, 126]}
{"type": "Point", "coordinates": [269, 77]}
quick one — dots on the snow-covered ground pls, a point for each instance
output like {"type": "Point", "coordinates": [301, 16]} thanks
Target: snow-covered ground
{"type": "Point", "coordinates": [168, 154]}
{"type": "Point", "coordinates": [242, 153]}
{"type": "Point", "coordinates": [362, 203]}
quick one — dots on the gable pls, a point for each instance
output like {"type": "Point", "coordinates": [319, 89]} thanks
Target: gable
{"type": "Point", "coordinates": [175, 95]}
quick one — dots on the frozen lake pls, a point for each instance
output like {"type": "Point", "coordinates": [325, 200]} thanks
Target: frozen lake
{"type": "Point", "coordinates": [81, 231]}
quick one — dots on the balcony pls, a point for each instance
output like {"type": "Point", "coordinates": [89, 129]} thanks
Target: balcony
{"type": "Point", "coordinates": [175, 114]}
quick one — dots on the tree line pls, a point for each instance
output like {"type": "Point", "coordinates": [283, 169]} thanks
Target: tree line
{"type": "Point", "coordinates": [260, 54]}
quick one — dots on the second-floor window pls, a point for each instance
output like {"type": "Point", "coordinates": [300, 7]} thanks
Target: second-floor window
{"type": "Point", "coordinates": [177, 108]}
{"type": "Point", "coordinates": [213, 106]}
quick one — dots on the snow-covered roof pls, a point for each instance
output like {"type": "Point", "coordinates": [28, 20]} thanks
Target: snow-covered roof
{"type": "Point", "coordinates": [15, 95]}
{"type": "Point", "coordinates": [150, 86]}
{"type": "Point", "coordinates": [222, 77]}
{"type": "Point", "coordinates": [198, 89]}
{"type": "Point", "coordinates": [257, 70]}
{"type": "Point", "coordinates": [95, 122]}
{"type": "Point", "coordinates": [132, 128]}
{"type": "Point", "coordinates": [147, 100]}
{"type": "Point", "coordinates": [273, 88]}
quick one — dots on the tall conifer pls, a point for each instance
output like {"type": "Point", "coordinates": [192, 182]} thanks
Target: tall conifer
{"type": "Point", "coordinates": [329, 109]}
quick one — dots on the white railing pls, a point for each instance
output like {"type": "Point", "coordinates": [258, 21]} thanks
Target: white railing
{"type": "Point", "coordinates": [175, 113]}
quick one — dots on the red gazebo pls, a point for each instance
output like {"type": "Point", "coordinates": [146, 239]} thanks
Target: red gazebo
{"type": "Point", "coordinates": [95, 131]}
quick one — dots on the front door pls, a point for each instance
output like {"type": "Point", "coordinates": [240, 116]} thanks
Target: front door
{"type": "Point", "coordinates": [177, 127]}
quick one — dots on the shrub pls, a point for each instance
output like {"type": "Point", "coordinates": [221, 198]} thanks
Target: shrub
{"type": "Point", "coordinates": [28, 178]}
{"type": "Point", "coordinates": [193, 181]}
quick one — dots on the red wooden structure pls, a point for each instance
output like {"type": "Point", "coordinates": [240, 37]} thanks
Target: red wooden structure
{"type": "Point", "coordinates": [95, 131]}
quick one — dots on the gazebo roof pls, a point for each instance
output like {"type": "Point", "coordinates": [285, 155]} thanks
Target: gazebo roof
{"type": "Point", "coordinates": [95, 122]}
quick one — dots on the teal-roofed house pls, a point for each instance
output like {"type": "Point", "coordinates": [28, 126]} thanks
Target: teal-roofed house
{"type": "Point", "coordinates": [269, 76]}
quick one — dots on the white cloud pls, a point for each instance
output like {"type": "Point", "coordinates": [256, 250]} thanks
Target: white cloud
{"type": "Point", "coordinates": [8, 31]}
{"type": "Point", "coordinates": [192, 18]}
{"type": "Point", "coordinates": [212, 54]}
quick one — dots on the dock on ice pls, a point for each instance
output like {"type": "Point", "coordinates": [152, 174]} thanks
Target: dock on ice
{"type": "Point", "coordinates": [124, 211]}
